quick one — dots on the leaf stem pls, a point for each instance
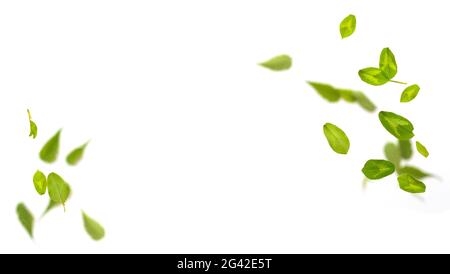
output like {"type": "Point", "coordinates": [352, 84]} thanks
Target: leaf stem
{"type": "Point", "coordinates": [398, 82]}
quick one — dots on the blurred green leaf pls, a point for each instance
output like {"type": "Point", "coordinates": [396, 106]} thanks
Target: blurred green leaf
{"type": "Point", "coordinates": [49, 152]}
{"type": "Point", "coordinates": [278, 63]}
{"type": "Point", "coordinates": [388, 65]}
{"type": "Point", "coordinates": [93, 228]}
{"type": "Point", "coordinates": [405, 149]}
{"type": "Point", "coordinates": [76, 155]}
{"type": "Point", "coordinates": [26, 218]}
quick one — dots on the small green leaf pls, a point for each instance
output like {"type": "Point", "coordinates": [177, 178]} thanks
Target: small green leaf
{"type": "Point", "coordinates": [405, 148]}
{"type": "Point", "coordinates": [410, 184]}
{"type": "Point", "coordinates": [328, 92]}
{"type": "Point", "coordinates": [414, 171]}
{"type": "Point", "coordinates": [422, 149]}
{"type": "Point", "coordinates": [388, 65]}
{"type": "Point", "coordinates": [409, 93]}
{"type": "Point", "coordinates": [58, 189]}
{"type": "Point", "coordinates": [392, 153]}
{"type": "Point", "coordinates": [377, 169]}
{"type": "Point", "coordinates": [33, 127]}
{"type": "Point", "coordinates": [76, 155]}
{"type": "Point", "coordinates": [365, 102]}
{"type": "Point", "coordinates": [373, 76]}
{"type": "Point", "coordinates": [26, 218]}
{"type": "Point", "coordinates": [347, 26]}
{"type": "Point", "coordinates": [93, 228]}
{"type": "Point", "coordinates": [347, 95]}
{"type": "Point", "coordinates": [337, 139]}
{"type": "Point", "coordinates": [40, 182]}
{"type": "Point", "coordinates": [49, 152]}
{"type": "Point", "coordinates": [278, 63]}
{"type": "Point", "coordinates": [397, 125]}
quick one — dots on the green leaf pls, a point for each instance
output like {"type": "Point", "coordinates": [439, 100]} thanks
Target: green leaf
{"type": "Point", "coordinates": [373, 76]}
{"type": "Point", "coordinates": [33, 127]}
{"type": "Point", "coordinates": [58, 189]}
{"type": "Point", "coordinates": [377, 169]}
{"type": "Point", "coordinates": [40, 182]}
{"type": "Point", "coordinates": [347, 26]}
{"type": "Point", "coordinates": [26, 218]}
{"type": "Point", "coordinates": [337, 139]}
{"type": "Point", "coordinates": [405, 149]}
{"type": "Point", "coordinates": [278, 63]}
{"type": "Point", "coordinates": [49, 152]}
{"type": "Point", "coordinates": [409, 93]}
{"type": "Point", "coordinates": [328, 92]}
{"type": "Point", "coordinates": [93, 228]}
{"type": "Point", "coordinates": [422, 149]}
{"type": "Point", "coordinates": [347, 95]}
{"type": "Point", "coordinates": [388, 65]}
{"type": "Point", "coordinates": [76, 155]}
{"type": "Point", "coordinates": [414, 171]}
{"type": "Point", "coordinates": [397, 125]}
{"type": "Point", "coordinates": [410, 184]}
{"type": "Point", "coordinates": [392, 153]}
{"type": "Point", "coordinates": [365, 102]}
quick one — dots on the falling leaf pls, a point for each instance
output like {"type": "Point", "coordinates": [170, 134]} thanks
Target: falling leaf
{"type": "Point", "coordinates": [76, 155]}
{"type": "Point", "coordinates": [347, 26]}
{"type": "Point", "coordinates": [410, 184]}
{"type": "Point", "coordinates": [93, 228]}
{"type": "Point", "coordinates": [33, 126]}
{"type": "Point", "coordinates": [405, 149]}
{"type": "Point", "coordinates": [26, 218]}
{"type": "Point", "coordinates": [49, 152]}
{"type": "Point", "coordinates": [337, 139]}
{"type": "Point", "coordinates": [278, 63]}
{"type": "Point", "coordinates": [373, 76]}
{"type": "Point", "coordinates": [40, 182]}
{"type": "Point", "coordinates": [422, 149]}
{"type": "Point", "coordinates": [58, 189]}
{"type": "Point", "coordinates": [397, 125]}
{"type": "Point", "coordinates": [377, 169]}
{"type": "Point", "coordinates": [409, 93]}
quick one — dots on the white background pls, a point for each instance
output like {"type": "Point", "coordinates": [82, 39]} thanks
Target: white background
{"type": "Point", "coordinates": [195, 148]}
